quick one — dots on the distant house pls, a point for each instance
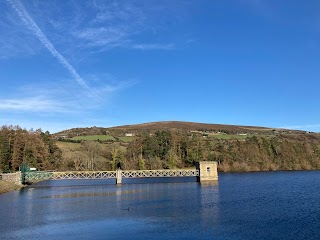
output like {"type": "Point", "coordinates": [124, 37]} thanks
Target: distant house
{"type": "Point", "coordinates": [129, 134]}
{"type": "Point", "coordinates": [61, 136]}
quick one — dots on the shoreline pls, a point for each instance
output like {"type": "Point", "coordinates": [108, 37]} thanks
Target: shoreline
{"type": "Point", "coordinates": [9, 186]}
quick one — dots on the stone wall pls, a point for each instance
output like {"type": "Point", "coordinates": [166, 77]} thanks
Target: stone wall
{"type": "Point", "coordinates": [12, 177]}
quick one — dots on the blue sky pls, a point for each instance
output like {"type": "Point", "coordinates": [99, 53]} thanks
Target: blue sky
{"type": "Point", "coordinates": [66, 64]}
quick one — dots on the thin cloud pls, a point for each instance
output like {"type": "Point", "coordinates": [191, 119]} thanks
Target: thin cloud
{"type": "Point", "coordinates": [101, 36]}
{"type": "Point", "coordinates": [112, 25]}
{"type": "Point", "coordinates": [11, 43]}
{"type": "Point", "coordinates": [88, 28]}
{"type": "Point", "coordinates": [115, 88]}
{"type": "Point", "coordinates": [314, 127]}
{"type": "Point", "coordinates": [101, 26]}
{"type": "Point", "coordinates": [115, 85]}
{"type": "Point", "coordinates": [33, 27]}
{"type": "Point", "coordinates": [32, 104]}
{"type": "Point", "coordinates": [48, 98]}
{"type": "Point", "coordinates": [153, 46]}
{"type": "Point", "coordinates": [52, 98]}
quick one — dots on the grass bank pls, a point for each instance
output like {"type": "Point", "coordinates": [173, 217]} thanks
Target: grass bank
{"type": "Point", "coordinates": [8, 186]}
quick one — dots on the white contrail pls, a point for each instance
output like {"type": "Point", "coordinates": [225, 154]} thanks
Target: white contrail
{"type": "Point", "coordinates": [28, 21]}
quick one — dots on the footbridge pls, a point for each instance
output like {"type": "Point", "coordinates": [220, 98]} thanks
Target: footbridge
{"type": "Point", "coordinates": [118, 174]}
{"type": "Point", "coordinates": [205, 171]}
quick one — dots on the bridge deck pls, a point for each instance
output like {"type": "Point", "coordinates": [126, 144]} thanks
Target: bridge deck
{"type": "Point", "coordinates": [31, 176]}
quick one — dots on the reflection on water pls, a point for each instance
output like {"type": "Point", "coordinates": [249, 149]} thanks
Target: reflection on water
{"type": "Point", "coordinates": [283, 205]}
{"type": "Point", "coordinates": [92, 193]}
{"type": "Point", "coordinates": [209, 203]}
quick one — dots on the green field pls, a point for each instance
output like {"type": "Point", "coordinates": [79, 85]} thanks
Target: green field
{"type": "Point", "coordinates": [231, 136]}
{"type": "Point", "coordinates": [69, 146]}
{"type": "Point", "coordinates": [126, 139]}
{"type": "Point", "coordinates": [94, 137]}
{"type": "Point", "coordinates": [238, 137]}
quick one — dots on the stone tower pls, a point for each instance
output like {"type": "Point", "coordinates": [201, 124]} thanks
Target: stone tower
{"type": "Point", "coordinates": [208, 171]}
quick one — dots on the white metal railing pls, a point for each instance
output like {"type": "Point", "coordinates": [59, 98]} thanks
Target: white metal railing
{"type": "Point", "coordinates": [29, 176]}
{"type": "Point", "coordinates": [160, 173]}
{"type": "Point", "coordinates": [84, 175]}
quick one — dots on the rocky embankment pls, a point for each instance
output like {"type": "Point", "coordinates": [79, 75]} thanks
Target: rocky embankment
{"type": "Point", "coordinates": [8, 186]}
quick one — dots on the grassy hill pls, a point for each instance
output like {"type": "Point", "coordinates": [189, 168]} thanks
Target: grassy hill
{"type": "Point", "coordinates": [180, 144]}
{"type": "Point", "coordinates": [94, 138]}
{"type": "Point", "coordinates": [172, 126]}
{"type": "Point", "coordinates": [188, 126]}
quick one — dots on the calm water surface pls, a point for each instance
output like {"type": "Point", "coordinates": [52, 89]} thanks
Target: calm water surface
{"type": "Point", "coordinates": [277, 205]}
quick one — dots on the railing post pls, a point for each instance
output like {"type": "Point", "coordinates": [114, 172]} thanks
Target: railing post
{"type": "Point", "coordinates": [119, 176]}
{"type": "Point", "coordinates": [23, 169]}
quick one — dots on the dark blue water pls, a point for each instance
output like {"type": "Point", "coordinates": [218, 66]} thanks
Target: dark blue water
{"type": "Point", "coordinates": [274, 205]}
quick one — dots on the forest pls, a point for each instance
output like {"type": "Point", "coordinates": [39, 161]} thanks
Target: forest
{"type": "Point", "coordinates": [171, 149]}
{"type": "Point", "coordinates": [161, 149]}
{"type": "Point", "coordinates": [19, 146]}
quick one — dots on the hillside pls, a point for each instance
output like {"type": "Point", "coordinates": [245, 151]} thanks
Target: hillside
{"type": "Point", "coordinates": [188, 126]}
{"type": "Point", "coordinates": [160, 145]}
{"type": "Point", "coordinates": [171, 125]}
{"type": "Point", "coordinates": [180, 144]}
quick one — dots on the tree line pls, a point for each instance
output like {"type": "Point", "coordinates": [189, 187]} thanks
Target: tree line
{"type": "Point", "coordinates": [34, 147]}
{"type": "Point", "coordinates": [175, 149]}
{"type": "Point", "coordinates": [172, 149]}
{"type": "Point", "coordinates": [165, 149]}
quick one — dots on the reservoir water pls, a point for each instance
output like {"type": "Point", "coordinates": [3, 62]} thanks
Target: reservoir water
{"type": "Point", "coordinates": [271, 205]}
